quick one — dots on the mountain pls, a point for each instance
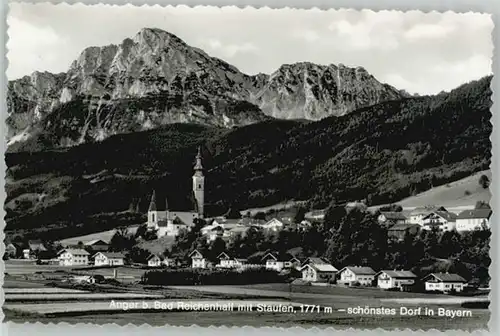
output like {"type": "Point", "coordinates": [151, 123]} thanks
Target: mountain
{"type": "Point", "coordinates": [382, 153]}
{"type": "Point", "coordinates": [156, 79]}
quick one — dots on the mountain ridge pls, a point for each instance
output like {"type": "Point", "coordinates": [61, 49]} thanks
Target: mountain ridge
{"type": "Point", "coordinates": [155, 78]}
{"type": "Point", "coordinates": [440, 139]}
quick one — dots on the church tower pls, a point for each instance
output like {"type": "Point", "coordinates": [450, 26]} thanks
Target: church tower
{"type": "Point", "coordinates": [199, 184]}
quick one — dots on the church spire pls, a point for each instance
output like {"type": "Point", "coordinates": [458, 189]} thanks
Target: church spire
{"type": "Point", "coordinates": [198, 166]}
{"type": "Point", "coordinates": [152, 203]}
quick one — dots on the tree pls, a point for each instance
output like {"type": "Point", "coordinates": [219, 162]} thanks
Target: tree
{"type": "Point", "coordinates": [233, 213]}
{"type": "Point", "coordinates": [392, 208]}
{"type": "Point", "coordinates": [260, 215]}
{"type": "Point", "coordinates": [484, 181]}
{"type": "Point", "coordinates": [482, 205]}
{"type": "Point", "coordinates": [122, 240]}
{"type": "Point", "coordinates": [299, 215]}
{"type": "Point", "coordinates": [217, 247]}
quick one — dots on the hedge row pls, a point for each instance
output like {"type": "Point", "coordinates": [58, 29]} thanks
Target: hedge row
{"type": "Point", "coordinates": [191, 276]}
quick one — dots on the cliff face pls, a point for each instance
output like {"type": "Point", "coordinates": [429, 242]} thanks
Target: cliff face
{"type": "Point", "coordinates": [156, 79]}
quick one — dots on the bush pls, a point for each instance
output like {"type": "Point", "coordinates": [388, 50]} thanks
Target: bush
{"type": "Point", "coordinates": [211, 277]}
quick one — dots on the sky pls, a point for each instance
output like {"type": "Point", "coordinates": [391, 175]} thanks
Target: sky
{"type": "Point", "coordinates": [422, 53]}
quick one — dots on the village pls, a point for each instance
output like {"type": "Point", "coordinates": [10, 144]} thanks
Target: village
{"type": "Point", "coordinates": [165, 222]}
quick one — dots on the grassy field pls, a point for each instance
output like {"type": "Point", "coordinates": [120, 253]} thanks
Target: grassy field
{"type": "Point", "coordinates": [157, 246]}
{"type": "Point", "coordinates": [461, 193]}
{"type": "Point", "coordinates": [104, 235]}
{"type": "Point", "coordinates": [375, 293]}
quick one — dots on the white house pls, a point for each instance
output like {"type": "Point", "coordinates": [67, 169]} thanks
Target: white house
{"type": "Point", "coordinates": [197, 260]}
{"type": "Point", "coordinates": [352, 275]}
{"type": "Point", "coordinates": [470, 220]}
{"type": "Point", "coordinates": [417, 215]}
{"type": "Point", "coordinates": [154, 261]}
{"type": "Point", "coordinates": [273, 225]}
{"type": "Point", "coordinates": [279, 262]}
{"type": "Point", "coordinates": [395, 279]}
{"type": "Point", "coordinates": [318, 270]}
{"type": "Point", "coordinates": [225, 261]}
{"type": "Point", "coordinates": [73, 257]}
{"type": "Point", "coordinates": [109, 259]}
{"type": "Point", "coordinates": [444, 282]}
{"type": "Point", "coordinates": [441, 220]}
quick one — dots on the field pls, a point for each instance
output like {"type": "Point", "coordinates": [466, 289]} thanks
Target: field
{"type": "Point", "coordinates": [32, 297]}
{"type": "Point", "coordinates": [462, 193]}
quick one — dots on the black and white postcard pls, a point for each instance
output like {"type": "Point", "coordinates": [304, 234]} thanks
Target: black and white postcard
{"type": "Point", "coordinates": [225, 166]}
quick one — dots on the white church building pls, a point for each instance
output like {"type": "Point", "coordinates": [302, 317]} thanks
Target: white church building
{"type": "Point", "coordinates": [170, 222]}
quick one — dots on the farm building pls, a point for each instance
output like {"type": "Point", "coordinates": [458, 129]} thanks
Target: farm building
{"type": "Point", "coordinates": [400, 231]}
{"type": "Point", "coordinates": [353, 275]}
{"type": "Point", "coordinates": [318, 270]}
{"type": "Point", "coordinates": [470, 220]}
{"type": "Point", "coordinates": [417, 215]}
{"type": "Point", "coordinates": [108, 259]}
{"type": "Point", "coordinates": [97, 245]}
{"type": "Point", "coordinates": [444, 282]}
{"type": "Point", "coordinates": [73, 257]}
{"type": "Point", "coordinates": [440, 220]}
{"type": "Point", "coordinates": [387, 279]}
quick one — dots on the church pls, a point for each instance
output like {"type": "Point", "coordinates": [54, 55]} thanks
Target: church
{"type": "Point", "coordinates": [170, 222]}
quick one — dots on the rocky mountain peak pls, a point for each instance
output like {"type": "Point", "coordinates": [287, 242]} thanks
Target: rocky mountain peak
{"type": "Point", "coordinates": [155, 78]}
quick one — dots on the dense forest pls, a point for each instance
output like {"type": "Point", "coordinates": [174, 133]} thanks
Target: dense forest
{"type": "Point", "coordinates": [381, 153]}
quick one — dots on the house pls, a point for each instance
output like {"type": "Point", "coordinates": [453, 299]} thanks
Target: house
{"type": "Point", "coordinates": [315, 215]}
{"type": "Point", "coordinates": [227, 223]}
{"type": "Point", "coordinates": [387, 279]}
{"type": "Point", "coordinates": [97, 245]}
{"type": "Point", "coordinates": [13, 250]}
{"type": "Point", "coordinates": [318, 270]}
{"type": "Point", "coordinates": [108, 259]}
{"type": "Point", "coordinates": [197, 260]}
{"type": "Point", "coordinates": [73, 257]}
{"type": "Point", "coordinates": [273, 225]}
{"type": "Point", "coordinates": [279, 261]}
{"type": "Point", "coordinates": [214, 233]}
{"type": "Point", "coordinates": [440, 220]}
{"type": "Point", "coordinates": [356, 275]}
{"type": "Point", "coordinates": [417, 215]}
{"type": "Point", "coordinates": [444, 282]}
{"type": "Point", "coordinates": [225, 261]}
{"type": "Point", "coordinates": [33, 249]}
{"type": "Point", "coordinates": [400, 231]}
{"type": "Point", "coordinates": [470, 220]}
{"type": "Point", "coordinates": [391, 218]}
{"type": "Point", "coordinates": [154, 261]}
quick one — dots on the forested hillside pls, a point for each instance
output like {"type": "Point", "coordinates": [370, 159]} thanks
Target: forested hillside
{"type": "Point", "coordinates": [382, 153]}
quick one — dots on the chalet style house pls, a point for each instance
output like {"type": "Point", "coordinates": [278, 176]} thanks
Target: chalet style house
{"type": "Point", "coordinates": [318, 270]}
{"type": "Point", "coordinates": [73, 257]}
{"type": "Point", "coordinates": [388, 279]}
{"type": "Point", "coordinates": [470, 220]}
{"type": "Point", "coordinates": [444, 282]}
{"type": "Point", "coordinates": [108, 259]}
{"type": "Point", "coordinates": [354, 275]}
